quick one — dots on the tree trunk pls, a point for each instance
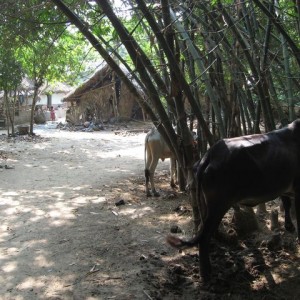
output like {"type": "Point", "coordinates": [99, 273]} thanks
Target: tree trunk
{"type": "Point", "coordinates": [289, 88]}
{"type": "Point", "coordinates": [37, 84]}
{"type": "Point", "coordinates": [7, 112]}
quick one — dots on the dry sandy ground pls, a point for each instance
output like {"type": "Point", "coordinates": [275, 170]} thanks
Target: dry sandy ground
{"type": "Point", "coordinates": [63, 237]}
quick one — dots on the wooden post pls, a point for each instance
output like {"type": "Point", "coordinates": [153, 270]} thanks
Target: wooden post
{"type": "Point", "coordinates": [115, 104]}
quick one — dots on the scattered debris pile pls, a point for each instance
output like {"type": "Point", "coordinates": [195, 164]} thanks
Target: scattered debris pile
{"type": "Point", "coordinates": [86, 126]}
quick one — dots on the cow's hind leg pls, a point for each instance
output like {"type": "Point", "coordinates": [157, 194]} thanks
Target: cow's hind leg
{"type": "Point", "coordinates": [147, 179]}
{"type": "Point", "coordinates": [287, 203]}
{"type": "Point", "coordinates": [215, 214]}
{"type": "Point", "coordinates": [173, 172]}
{"type": "Point", "coordinates": [152, 168]}
{"type": "Point", "coordinates": [209, 228]}
{"type": "Point", "coordinates": [148, 162]}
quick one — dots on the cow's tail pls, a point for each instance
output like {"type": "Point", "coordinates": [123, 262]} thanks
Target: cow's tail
{"type": "Point", "coordinates": [175, 241]}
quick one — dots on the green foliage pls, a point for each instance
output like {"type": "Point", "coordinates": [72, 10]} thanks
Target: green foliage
{"type": "Point", "coordinates": [11, 72]}
{"type": "Point", "coordinates": [47, 47]}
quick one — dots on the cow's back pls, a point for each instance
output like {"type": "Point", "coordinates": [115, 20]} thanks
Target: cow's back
{"type": "Point", "coordinates": [156, 145]}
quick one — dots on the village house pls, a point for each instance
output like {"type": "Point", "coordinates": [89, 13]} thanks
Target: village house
{"type": "Point", "coordinates": [102, 98]}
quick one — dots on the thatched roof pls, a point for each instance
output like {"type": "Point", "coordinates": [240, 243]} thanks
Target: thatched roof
{"type": "Point", "coordinates": [57, 87]}
{"type": "Point", "coordinates": [27, 87]}
{"type": "Point", "coordinates": [99, 79]}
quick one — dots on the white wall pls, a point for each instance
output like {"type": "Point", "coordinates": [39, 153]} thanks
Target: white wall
{"type": "Point", "coordinates": [56, 99]}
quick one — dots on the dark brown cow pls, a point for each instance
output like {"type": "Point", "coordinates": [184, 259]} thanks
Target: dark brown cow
{"type": "Point", "coordinates": [247, 170]}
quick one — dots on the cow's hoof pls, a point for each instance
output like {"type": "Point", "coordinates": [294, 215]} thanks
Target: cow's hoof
{"type": "Point", "coordinates": [204, 281]}
{"type": "Point", "coordinates": [290, 227]}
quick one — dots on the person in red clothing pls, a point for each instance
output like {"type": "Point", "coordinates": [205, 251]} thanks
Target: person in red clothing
{"type": "Point", "coordinates": [52, 114]}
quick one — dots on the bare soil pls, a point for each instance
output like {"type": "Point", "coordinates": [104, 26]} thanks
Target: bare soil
{"type": "Point", "coordinates": [76, 224]}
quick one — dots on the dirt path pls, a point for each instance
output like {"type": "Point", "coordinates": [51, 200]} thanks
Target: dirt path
{"type": "Point", "coordinates": [63, 237]}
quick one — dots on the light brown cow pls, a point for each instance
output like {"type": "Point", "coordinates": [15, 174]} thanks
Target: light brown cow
{"type": "Point", "coordinates": [156, 148]}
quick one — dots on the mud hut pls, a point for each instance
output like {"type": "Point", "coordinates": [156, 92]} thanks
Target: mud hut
{"type": "Point", "coordinates": [102, 98]}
